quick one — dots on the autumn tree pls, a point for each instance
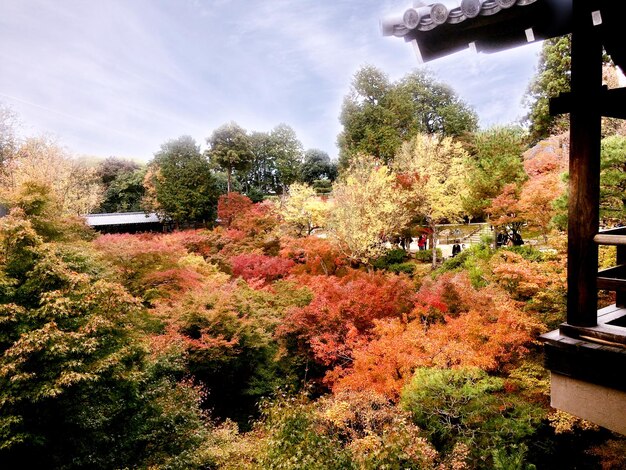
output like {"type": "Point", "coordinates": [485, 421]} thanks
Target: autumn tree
{"type": "Point", "coordinates": [229, 149]}
{"type": "Point", "coordinates": [367, 209]}
{"type": "Point", "coordinates": [442, 168]}
{"type": "Point", "coordinates": [180, 183]}
{"type": "Point", "coordinates": [232, 205]}
{"type": "Point", "coordinates": [43, 161]}
{"type": "Point", "coordinates": [536, 202]}
{"type": "Point", "coordinates": [303, 211]}
{"type": "Point", "coordinates": [506, 212]}
{"type": "Point", "coordinates": [378, 115]}
{"type": "Point", "coordinates": [77, 387]}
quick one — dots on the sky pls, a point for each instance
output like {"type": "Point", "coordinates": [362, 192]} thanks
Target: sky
{"type": "Point", "coordinates": [121, 77]}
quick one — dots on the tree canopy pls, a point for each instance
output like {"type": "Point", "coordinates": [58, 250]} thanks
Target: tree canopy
{"type": "Point", "coordinates": [181, 183]}
{"type": "Point", "coordinates": [378, 115]}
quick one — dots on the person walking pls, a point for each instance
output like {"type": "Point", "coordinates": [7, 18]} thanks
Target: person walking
{"type": "Point", "coordinates": [456, 248]}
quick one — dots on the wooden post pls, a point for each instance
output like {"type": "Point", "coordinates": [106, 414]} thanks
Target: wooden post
{"type": "Point", "coordinates": [584, 169]}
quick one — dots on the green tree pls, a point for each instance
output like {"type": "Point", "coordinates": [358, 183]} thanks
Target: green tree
{"type": "Point", "coordinates": [125, 192]}
{"type": "Point", "coordinates": [287, 150]}
{"type": "Point", "coordinates": [468, 406]}
{"type": "Point", "coordinates": [318, 166]}
{"type": "Point", "coordinates": [613, 178]}
{"type": "Point", "coordinates": [378, 115]}
{"type": "Point", "coordinates": [230, 150]}
{"type": "Point", "coordinates": [180, 182]}
{"type": "Point", "coordinates": [261, 178]}
{"type": "Point", "coordinates": [77, 388]}
{"type": "Point", "coordinates": [495, 160]}
{"type": "Point", "coordinates": [552, 78]}
{"type": "Point", "coordinates": [123, 185]}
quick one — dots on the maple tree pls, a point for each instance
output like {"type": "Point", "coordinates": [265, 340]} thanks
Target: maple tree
{"type": "Point", "coordinates": [479, 328]}
{"type": "Point", "coordinates": [77, 388]}
{"type": "Point", "coordinates": [261, 267]}
{"type": "Point", "coordinates": [506, 212]}
{"type": "Point", "coordinates": [343, 309]}
{"type": "Point", "coordinates": [313, 255]}
{"type": "Point", "coordinates": [232, 205]}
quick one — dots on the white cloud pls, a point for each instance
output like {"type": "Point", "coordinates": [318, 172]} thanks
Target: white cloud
{"type": "Point", "coordinates": [120, 77]}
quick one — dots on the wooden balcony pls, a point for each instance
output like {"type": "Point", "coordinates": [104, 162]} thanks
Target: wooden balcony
{"type": "Point", "coordinates": [587, 363]}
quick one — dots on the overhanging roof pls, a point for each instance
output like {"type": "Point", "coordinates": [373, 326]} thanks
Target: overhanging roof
{"type": "Point", "coordinates": [121, 218]}
{"type": "Point", "coordinates": [439, 28]}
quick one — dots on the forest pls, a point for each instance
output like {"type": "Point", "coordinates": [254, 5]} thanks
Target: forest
{"type": "Point", "coordinates": [283, 322]}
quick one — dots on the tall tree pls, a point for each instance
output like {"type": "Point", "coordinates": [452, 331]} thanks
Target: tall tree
{"type": "Point", "coordinates": [378, 115]}
{"type": "Point", "coordinates": [287, 151]}
{"type": "Point", "coordinates": [552, 78]}
{"type": "Point", "coordinates": [495, 160]}
{"type": "Point", "coordinates": [8, 139]}
{"type": "Point", "coordinates": [181, 183]}
{"type": "Point", "coordinates": [261, 178]}
{"type": "Point", "coordinates": [441, 165]}
{"type": "Point", "coordinates": [230, 150]}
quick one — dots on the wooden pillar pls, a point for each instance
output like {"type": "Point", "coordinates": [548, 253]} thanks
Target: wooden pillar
{"type": "Point", "coordinates": [584, 169]}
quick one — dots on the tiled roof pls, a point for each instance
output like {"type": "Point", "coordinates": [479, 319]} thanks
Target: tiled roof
{"type": "Point", "coordinates": [442, 27]}
{"type": "Point", "coordinates": [121, 218]}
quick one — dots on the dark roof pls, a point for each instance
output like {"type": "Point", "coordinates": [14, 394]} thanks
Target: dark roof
{"type": "Point", "coordinates": [439, 28]}
{"type": "Point", "coordinates": [121, 218]}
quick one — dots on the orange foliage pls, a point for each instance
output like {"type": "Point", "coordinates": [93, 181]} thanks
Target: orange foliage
{"type": "Point", "coordinates": [490, 332]}
{"type": "Point", "coordinates": [313, 255]}
{"type": "Point", "coordinates": [345, 308]}
{"type": "Point", "coordinates": [232, 205]}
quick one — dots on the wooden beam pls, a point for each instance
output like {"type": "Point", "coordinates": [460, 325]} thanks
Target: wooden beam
{"type": "Point", "coordinates": [612, 103]}
{"type": "Point", "coordinates": [584, 169]}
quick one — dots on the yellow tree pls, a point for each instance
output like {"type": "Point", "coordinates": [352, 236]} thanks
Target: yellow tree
{"type": "Point", "coordinates": [303, 211]}
{"type": "Point", "coordinates": [41, 161]}
{"type": "Point", "coordinates": [367, 209]}
{"type": "Point", "coordinates": [441, 167]}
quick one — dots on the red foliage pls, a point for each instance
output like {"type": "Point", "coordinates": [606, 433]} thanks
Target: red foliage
{"type": "Point", "coordinates": [171, 282]}
{"type": "Point", "coordinates": [490, 332]}
{"type": "Point", "coordinates": [313, 255]}
{"type": "Point", "coordinates": [232, 205]}
{"type": "Point", "coordinates": [257, 219]}
{"type": "Point", "coordinates": [343, 309]}
{"type": "Point", "coordinates": [260, 267]}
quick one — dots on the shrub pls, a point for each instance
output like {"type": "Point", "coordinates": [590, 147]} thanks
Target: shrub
{"type": "Point", "coordinates": [468, 406]}
{"type": "Point", "coordinates": [426, 256]}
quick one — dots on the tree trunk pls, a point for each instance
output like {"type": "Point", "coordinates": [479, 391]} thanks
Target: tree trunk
{"type": "Point", "coordinates": [228, 172]}
{"type": "Point", "coordinates": [433, 245]}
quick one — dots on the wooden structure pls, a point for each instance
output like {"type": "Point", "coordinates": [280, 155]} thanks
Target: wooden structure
{"type": "Point", "coordinates": [587, 354]}
{"type": "Point", "coordinates": [126, 222]}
